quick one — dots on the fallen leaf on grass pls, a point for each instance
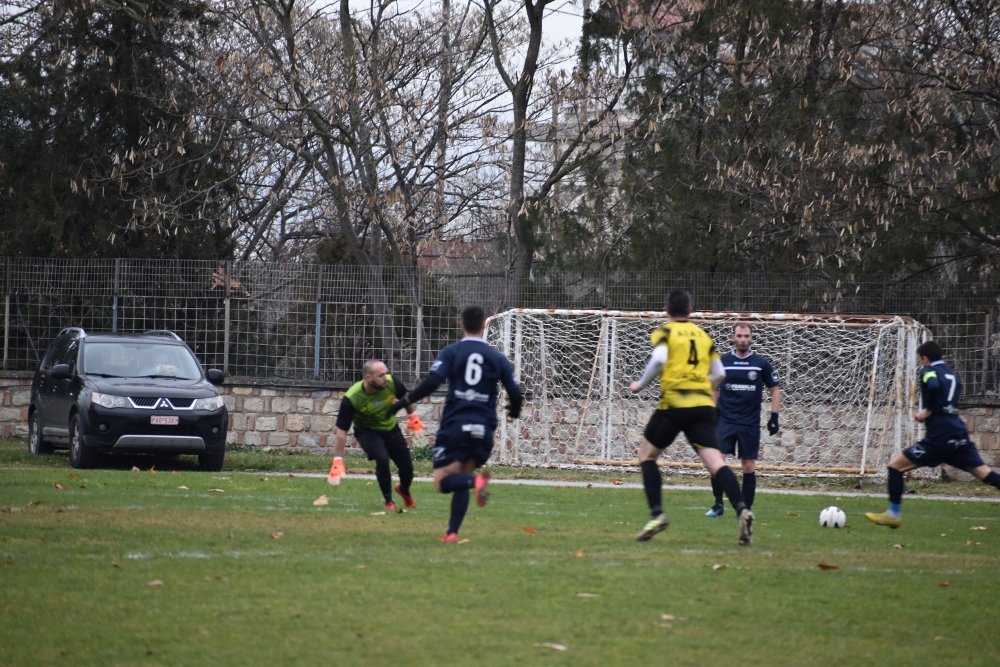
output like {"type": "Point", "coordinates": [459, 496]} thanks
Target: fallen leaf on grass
{"type": "Point", "coordinates": [553, 646]}
{"type": "Point", "coordinates": [579, 553]}
{"type": "Point", "coordinates": [183, 488]}
{"type": "Point", "coordinates": [464, 541]}
{"type": "Point", "coordinates": [978, 528]}
{"type": "Point", "coordinates": [152, 470]}
{"type": "Point", "coordinates": [277, 535]}
{"type": "Point", "coordinates": [321, 501]}
{"type": "Point", "coordinates": [528, 530]}
{"type": "Point", "coordinates": [790, 513]}
{"type": "Point", "coordinates": [154, 582]}
{"type": "Point", "coordinates": [827, 566]}
{"type": "Point", "coordinates": [378, 513]}
{"type": "Point", "coordinates": [74, 475]}
{"type": "Point", "coordinates": [216, 491]}
{"type": "Point", "coordinates": [972, 543]}
{"type": "Point", "coordinates": [897, 546]}
{"type": "Point", "coordinates": [719, 566]}
{"type": "Point", "coordinates": [617, 482]}
{"type": "Point", "coordinates": [135, 469]}
{"type": "Point", "coordinates": [944, 584]}
{"type": "Point", "coordinates": [667, 617]}
{"type": "Point", "coordinates": [57, 485]}
{"type": "Point", "coordinates": [587, 595]}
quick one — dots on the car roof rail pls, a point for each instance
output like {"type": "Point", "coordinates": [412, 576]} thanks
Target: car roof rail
{"type": "Point", "coordinates": [166, 333]}
{"type": "Point", "coordinates": [73, 330]}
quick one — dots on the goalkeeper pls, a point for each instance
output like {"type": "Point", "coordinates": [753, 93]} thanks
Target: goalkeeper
{"type": "Point", "coordinates": [365, 405]}
{"type": "Point", "coordinates": [738, 404]}
{"type": "Point", "coordinates": [473, 369]}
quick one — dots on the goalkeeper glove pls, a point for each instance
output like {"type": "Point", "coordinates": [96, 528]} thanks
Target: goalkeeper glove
{"type": "Point", "coordinates": [414, 424]}
{"type": "Point", "coordinates": [772, 424]}
{"type": "Point", "coordinates": [337, 472]}
{"type": "Point", "coordinates": [396, 406]}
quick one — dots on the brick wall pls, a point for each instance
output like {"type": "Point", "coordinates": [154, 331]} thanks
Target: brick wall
{"type": "Point", "coordinates": [303, 419]}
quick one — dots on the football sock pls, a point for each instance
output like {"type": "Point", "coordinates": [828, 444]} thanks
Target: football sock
{"type": "Point", "coordinates": [749, 487]}
{"type": "Point", "coordinates": [384, 478]}
{"type": "Point", "coordinates": [652, 484]}
{"type": "Point", "coordinates": [459, 505]}
{"type": "Point", "coordinates": [405, 468]}
{"type": "Point", "coordinates": [457, 481]}
{"type": "Point", "coordinates": [993, 479]}
{"type": "Point", "coordinates": [895, 487]}
{"type": "Point", "coordinates": [731, 486]}
{"type": "Point", "coordinates": [716, 491]}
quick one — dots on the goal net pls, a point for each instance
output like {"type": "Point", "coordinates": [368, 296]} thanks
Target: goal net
{"type": "Point", "coordinates": [848, 387]}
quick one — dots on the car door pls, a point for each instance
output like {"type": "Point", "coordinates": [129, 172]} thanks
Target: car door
{"type": "Point", "coordinates": [65, 390]}
{"type": "Point", "coordinates": [60, 393]}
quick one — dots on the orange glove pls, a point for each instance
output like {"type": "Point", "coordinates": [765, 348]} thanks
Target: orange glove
{"type": "Point", "coordinates": [414, 424]}
{"type": "Point", "coordinates": [337, 472]}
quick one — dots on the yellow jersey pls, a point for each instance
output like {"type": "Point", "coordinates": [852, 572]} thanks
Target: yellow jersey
{"type": "Point", "coordinates": [684, 379]}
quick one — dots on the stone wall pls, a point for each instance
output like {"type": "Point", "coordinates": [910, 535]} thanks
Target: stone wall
{"type": "Point", "coordinates": [303, 419]}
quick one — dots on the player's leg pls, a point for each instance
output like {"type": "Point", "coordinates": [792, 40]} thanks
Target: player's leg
{"type": "Point", "coordinates": [400, 454]}
{"type": "Point", "coordinates": [899, 464]}
{"type": "Point", "coordinates": [749, 450]}
{"type": "Point", "coordinates": [453, 473]}
{"type": "Point", "coordinates": [968, 458]}
{"type": "Point", "coordinates": [660, 431]}
{"type": "Point", "coordinates": [373, 445]}
{"type": "Point", "coordinates": [700, 432]}
{"type": "Point", "coordinates": [727, 436]}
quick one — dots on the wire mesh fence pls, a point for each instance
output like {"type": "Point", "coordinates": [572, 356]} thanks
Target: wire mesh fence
{"type": "Point", "coordinates": [297, 323]}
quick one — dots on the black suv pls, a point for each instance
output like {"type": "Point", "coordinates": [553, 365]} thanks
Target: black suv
{"type": "Point", "coordinates": [126, 393]}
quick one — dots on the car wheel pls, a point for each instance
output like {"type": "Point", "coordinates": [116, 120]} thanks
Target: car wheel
{"type": "Point", "coordinates": [211, 461]}
{"type": "Point", "coordinates": [79, 455]}
{"type": "Point", "coordinates": [36, 444]}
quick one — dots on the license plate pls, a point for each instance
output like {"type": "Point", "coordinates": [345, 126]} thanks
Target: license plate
{"type": "Point", "coordinates": [165, 420]}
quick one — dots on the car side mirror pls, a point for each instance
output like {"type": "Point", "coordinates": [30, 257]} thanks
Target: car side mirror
{"type": "Point", "coordinates": [215, 376]}
{"type": "Point", "coordinates": [60, 372]}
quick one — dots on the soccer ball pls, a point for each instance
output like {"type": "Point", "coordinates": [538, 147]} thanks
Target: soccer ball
{"type": "Point", "coordinates": [832, 517]}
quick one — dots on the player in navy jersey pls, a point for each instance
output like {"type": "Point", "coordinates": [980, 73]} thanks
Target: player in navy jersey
{"type": "Point", "coordinates": [464, 441]}
{"type": "Point", "coordinates": [738, 406]}
{"type": "Point", "coordinates": [946, 439]}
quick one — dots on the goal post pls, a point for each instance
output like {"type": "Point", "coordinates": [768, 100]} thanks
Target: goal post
{"type": "Point", "coordinates": [848, 386]}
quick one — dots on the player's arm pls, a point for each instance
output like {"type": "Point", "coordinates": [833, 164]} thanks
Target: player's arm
{"type": "Point", "coordinates": [400, 393]}
{"type": "Point", "coordinates": [513, 391]}
{"type": "Point", "coordinates": [344, 418]}
{"type": "Point", "coordinates": [657, 360]}
{"type": "Point", "coordinates": [929, 391]}
{"type": "Point", "coordinates": [716, 374]}
{"type": "Point", "coordinates": [422, 390]}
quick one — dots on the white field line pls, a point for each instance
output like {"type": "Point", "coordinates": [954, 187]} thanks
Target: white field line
{"type": "Point", "coordinates": [681, 487]}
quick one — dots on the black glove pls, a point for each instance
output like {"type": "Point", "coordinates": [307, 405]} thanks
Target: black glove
{"type": "Point", "coordinates": [396, 406]}
{"type": "Point", "coordinates": [772, 424]}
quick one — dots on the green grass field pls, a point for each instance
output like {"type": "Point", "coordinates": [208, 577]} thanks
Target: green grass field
{"type": "Point", "coordinates": [122, 567]}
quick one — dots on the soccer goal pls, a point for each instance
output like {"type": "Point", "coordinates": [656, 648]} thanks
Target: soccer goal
{"type": "Point", "coordinates": [848, 386]}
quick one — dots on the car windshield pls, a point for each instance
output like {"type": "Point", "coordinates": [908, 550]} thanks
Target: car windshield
{"type": "Point", "coordinates": [117, 359]}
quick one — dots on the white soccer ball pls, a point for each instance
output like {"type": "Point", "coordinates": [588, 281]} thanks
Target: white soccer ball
{"type": "Point", "coordinates": [832, 517]}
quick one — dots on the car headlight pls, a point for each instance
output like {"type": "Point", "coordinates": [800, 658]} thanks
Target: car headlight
{"type": "Point", "coordinates": [109, 401]}
{"type": "Point", "coordinates": [213, 403]}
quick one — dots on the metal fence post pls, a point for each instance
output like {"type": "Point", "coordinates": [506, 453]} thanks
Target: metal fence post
{"type": "Point", "coordinates": [227, 286]}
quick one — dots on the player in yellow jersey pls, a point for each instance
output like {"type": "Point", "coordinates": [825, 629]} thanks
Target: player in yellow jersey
{"type": "Point", "coordinates": [689, 368]}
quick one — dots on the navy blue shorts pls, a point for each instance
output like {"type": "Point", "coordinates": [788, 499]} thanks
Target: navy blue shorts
{"type": "Point", "coordinates": [958, 452]}
{"type": "Point", "coordinates": [468, 442]}
{"type": "Point", "coordinates": [739, 438]}
{"type": "Point", "coordinates": [697, 424]}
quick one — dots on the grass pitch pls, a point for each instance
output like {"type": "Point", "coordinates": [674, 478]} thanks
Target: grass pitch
{"type": "Point", "coordinates": [120, 567]}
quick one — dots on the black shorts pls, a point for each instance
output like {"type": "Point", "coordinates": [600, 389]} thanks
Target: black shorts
{"type": "Point", "coordinates": [382, 445]}
{"type": "Point", "coordinates": [697, 424]}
